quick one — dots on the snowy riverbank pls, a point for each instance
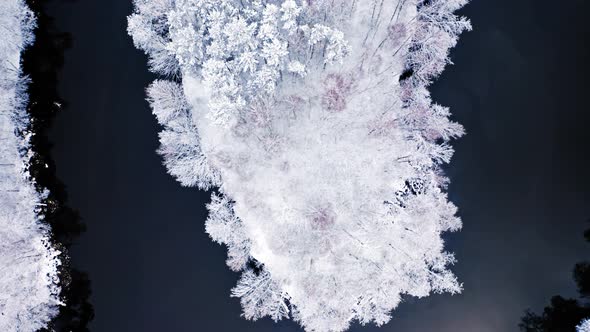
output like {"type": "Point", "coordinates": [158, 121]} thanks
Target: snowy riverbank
{"type": "Point", "coordinates": [29, 288]}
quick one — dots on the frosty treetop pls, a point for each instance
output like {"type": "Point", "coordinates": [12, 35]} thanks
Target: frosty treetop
{"type": "Point", "coordinates": [313, 120]}
{"type": "Point", "coordinates": [29, 279]}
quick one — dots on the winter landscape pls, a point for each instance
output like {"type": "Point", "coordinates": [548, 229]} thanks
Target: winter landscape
{"type": "Point", "coordinates": [314, 151]}
{"type": "Point", "coordinates": [29, 285]}
{"type": "Point", "coordinates": [327, 161]}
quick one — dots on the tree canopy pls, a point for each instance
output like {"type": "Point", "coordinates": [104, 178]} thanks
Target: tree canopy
{"type": "Point", "coordinates": [326, 159]}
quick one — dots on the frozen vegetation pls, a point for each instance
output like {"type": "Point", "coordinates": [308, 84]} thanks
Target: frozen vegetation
{"type": "Point", "coordinates": [313, 121]}
{"type": "Point", "coordinates": [28, 263]}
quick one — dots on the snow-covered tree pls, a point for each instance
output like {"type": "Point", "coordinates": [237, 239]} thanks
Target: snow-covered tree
{"type": "Point", "coordinates": [179, 139]}
{"type": "Point", "coordinates": [313, 120]}
{"type": "Point", "coordinates": [584, 326]}
{"type": "Point", "coordinates": [29, 290]}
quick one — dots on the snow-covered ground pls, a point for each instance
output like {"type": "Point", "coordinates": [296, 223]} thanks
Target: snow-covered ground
{"type": "Point", "coordinates": [313, 120]}
{"type": "Point", "coordinates": [28, 263]}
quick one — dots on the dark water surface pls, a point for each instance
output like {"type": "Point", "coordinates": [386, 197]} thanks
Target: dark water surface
{"type": "Point", "coordinates": [520, 177]}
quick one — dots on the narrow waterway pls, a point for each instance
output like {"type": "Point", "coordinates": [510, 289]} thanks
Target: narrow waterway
{"type": "Point", "coordinates": [520, 177]}
{"type": "Point", "coordinates": [151, 265]}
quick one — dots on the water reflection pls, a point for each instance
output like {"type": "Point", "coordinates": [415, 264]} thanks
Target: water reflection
{"type": "Point", "coordinates": [42, 62]}
{"type": "Point", "coordinates": [563, 314]}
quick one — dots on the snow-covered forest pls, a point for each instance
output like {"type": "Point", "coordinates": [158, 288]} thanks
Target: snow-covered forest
{"type": "Point", "coordinates": [29, 289]}
{"type": "Point", "coordinates": [313, 122]}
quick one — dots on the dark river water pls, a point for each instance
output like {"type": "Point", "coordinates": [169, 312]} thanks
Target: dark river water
{"type": "Point", "coordinates": [520, 177]}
